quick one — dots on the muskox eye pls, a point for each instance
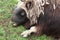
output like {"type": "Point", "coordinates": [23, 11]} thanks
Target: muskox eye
{"type": "Point", "coordinates": [29, 5]}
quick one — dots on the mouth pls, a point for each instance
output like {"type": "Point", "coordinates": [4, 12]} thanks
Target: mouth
{"type": "Point", "coordinates": [14, 24]}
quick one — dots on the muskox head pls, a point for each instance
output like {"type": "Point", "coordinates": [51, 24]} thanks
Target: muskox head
{"type": "Point", "coordinates": [28, 10]}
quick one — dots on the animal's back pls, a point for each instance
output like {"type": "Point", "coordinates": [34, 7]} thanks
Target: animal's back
{"type": "Point", "coordinates": [51, 21]}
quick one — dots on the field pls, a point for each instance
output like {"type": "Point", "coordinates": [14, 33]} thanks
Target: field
{"type": "Point", "coordinates": [7, 31]}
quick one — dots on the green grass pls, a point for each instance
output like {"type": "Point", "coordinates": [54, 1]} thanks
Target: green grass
{"type": "Point", "coordinates": [7, 31]}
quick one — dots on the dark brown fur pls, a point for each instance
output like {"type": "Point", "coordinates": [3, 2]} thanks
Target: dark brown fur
{"type": "Point", "coordinates": [49, 23]}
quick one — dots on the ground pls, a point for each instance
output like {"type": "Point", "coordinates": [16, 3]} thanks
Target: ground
{"type": "Point", "coordinates": [7, 31]}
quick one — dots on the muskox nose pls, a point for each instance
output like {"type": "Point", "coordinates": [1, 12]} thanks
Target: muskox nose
{"type": "Point", "coordinates": [18, 17]}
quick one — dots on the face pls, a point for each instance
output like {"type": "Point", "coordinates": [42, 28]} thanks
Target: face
{"type": "Point", "coordinates": [26, 9]}
{"type": "Point", "coordinates": [19, 17]}
{"type": "Point", "coordinates": [19, 13]}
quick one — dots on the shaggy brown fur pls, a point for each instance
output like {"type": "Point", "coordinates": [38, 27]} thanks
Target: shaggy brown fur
{"type": "Point", "coordinates": [49, 23]}
{"type": "Point", "coordinates": [45, 20]}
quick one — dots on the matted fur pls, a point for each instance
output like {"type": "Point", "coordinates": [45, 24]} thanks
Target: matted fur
{"type": "Point", "coordinates": [48, 23]}
{"type": "Point", "coordinates": [37, 9]}
{"type": "Point", "coordinates": [33, 13]}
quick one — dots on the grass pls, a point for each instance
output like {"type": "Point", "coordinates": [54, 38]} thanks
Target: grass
{"type": "Point", "coordinates": [7, 31]}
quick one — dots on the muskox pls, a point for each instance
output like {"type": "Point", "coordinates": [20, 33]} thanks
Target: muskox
{"type": "Point", "coordinates": [38, 16]}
